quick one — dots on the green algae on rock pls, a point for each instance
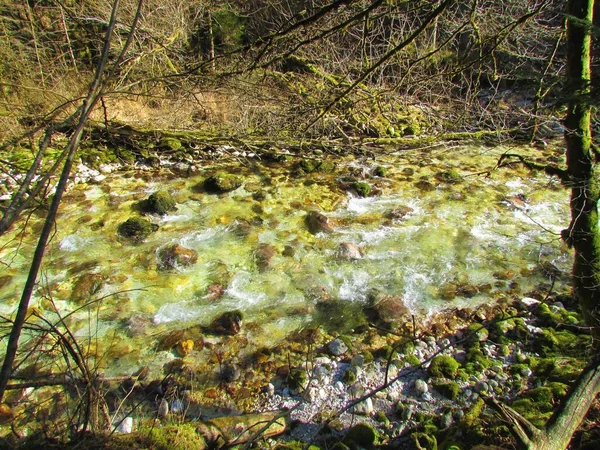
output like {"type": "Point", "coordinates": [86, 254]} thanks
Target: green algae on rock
{"type": "Point", "coordinates": [161, 203]}
{"type": "Point", "coordinates": [136, 228]}
{"type": "Point", "coordinates": [222, 182]}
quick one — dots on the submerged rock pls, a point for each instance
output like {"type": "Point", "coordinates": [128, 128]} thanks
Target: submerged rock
{"type": "Point", "coordinates": [263, 255]}
{"type": "Point", "coordinates": [386, 308]}
{"type": "Point", "coordinates": [136, 228]}
{"type": "Point", "coordinates": [175, 255]}
{"type": "Point", "coordinates": [317, 222]}
{"type": "Point", "coordinates": [399, 213]}
{"type": "Point", "coordinates": [161, 202]}
{"type": "Point", "coordinates": [349, 250]}
{"type": "Point", "coordinates": [229, 323]}
{"type": "Point", "coordinates": [222, 182]}
{"type": "Point", "coordinates": [86, 286]}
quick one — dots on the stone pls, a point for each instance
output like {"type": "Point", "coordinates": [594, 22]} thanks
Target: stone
{"type": "Point", "coordinates": [86, 287]}
{"type": "Point", "coordinates": [229, 323]}
{"type": "Point", "coordinates": [349, 250]}
{"type": "Point", "coordinates": [160, 202]}
{"type": "Point", "coordinates": [362, 189]}
{"type": "Point", "coordinates": [399, 213]}
{"type": "Point", "coordinates": [446, 421]}
{"type": "Point", "coordinates": [222, 182]}
{"type": "Point", "coordinates": [174, 255]}
{"type": "Point", "coordinates": [386, 308]}
{"type": "Point", "coordinates": [313, 394]}
{"type": "Point", "coordinates": [317, 222]}
{"type": "Point", "coordinates": [136, 228]}
{"type": "Point", "coordinates": [443, 366]}
{"type": "Point", "coordinates": [124, 426]}
{"type": "Point", "coordinates": [163, 409]}
{"type": "Point", "coordinates": [230, 373]}
{"type": "Point", "coordinates": [337, 347]}
{"type": "Point", "coordinates": [362, 435]}
{"type": "Point", "coordinates": [364, 408]}
{"type": "Point", "coordinates": [421, 387]}
{"type": "Point", "coordinates": [263, 255]}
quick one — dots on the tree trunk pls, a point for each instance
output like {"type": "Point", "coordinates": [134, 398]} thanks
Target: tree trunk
{"type": "Point", "coordinates": [583, 233]}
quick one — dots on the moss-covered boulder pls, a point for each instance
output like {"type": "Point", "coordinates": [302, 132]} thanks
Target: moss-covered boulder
{"type": "Point", "coordinates": [136, 228]}
{"type": "Point", "coordinates": [449, 176]}
{"type": "Point", "coordinates": [174, 255]}
{"type": "Point", "coordinates": [450, 389]}
{"type": "Point", "coordinates": [443, 366]}
{"type": "Point", "coordinates": [362, 435]}
{"type": "Point", "coordinates": [161, 203]}
{"type": "Point", "coordinates": [263, 255]}
{"type": "Point", "coordinates": [170, 143]}
{"type": "Point", "coordinates": [222, 182]}
{"type": "Point", "coordinates": [86, 286]}
{"type": "Point", "coordinates": [362, 188]}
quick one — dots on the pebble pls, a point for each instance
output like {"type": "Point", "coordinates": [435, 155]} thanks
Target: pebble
{"type": "Point", "coordinates": [312, 394]}
{"type": "Point", "coordinates": [270, 389]}
{"type": "Point", "coordinates": [177, 406]}
{"type": "Point", "coordinates": [446, 421]}
{"type": "Point", "coordinates": [163, 409]}
{"type": "Point", "coordinates": [358, 361]}
{"type": "Point", "coordinates": [421, 387]}
{"type": "Point", "coordinates": [407, 412]}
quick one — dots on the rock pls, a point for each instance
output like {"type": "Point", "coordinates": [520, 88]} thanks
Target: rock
{"type": "Point", "coordinates": [177, 407]}
{"type": "Point", "coordinates": [160, 202]}
{"type": "Point", "coordinates": [184, 348]}
{"type": "Point", "coordinates": [136, 228]}
{"type": "Point", "coordinates": [406, 411]}
{"type": "Point", "coordinates": [163, 409]}
{"type": "Point", "coordinates": [364, 408]}
{"type": "Point", "coordinates": [229, 323]}
{"type": "Point", "coordinates": [446, 421]}
{"type": "Point", "coordinates": [215, 291]}
{"type": "Point", "coordinates": [317, 222]}
{"type": "Point", "coordinates": [399, 213]}
{"type": "Point", "coordinates": [222, 182]}
{"type": "Point", "coordinates": [86, 287]}
{"type": "Point", "coordinates": [386, 308]}
{"type": "Point", "coordinates": [312, 394]}
{"type": "Point", "coordinates": [175, 255]}
{"type": "Point", "coordinates": [443, 366]}
{"type": "Point", "coordinates": [349, 250]}
{"type": "Point", "coordinates": [362, 435]}
{"type": "Point", "coordinates": [230, 373]}
{"type": "Point", "coordinates": [124, 426]}
{"type": "Point", "coordinates": [421, 387]}
{"type": "Point", "coordinates": [358, 361]}
{"type": "Point", "coordinates": [337, 347]}
{"type": "Point", "coordinates": [270, 390]}
{"type": "Point", "coordinates": [263, 255]}
{"type": "Point", "coordinates": [362, 189]}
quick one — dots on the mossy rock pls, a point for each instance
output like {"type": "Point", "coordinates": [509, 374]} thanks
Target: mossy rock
{"type": "Point", "coordinates": [222, 182]}
{"type": "Point", "coordinates": [161, 203]}
{"type": "Point", "coordinates": [477, 333]}
{"type": "Point", "coordinates": [349, 376]}
{"type": "Point", "coordinates": [170, 143]}
{"type": "Point", "coordinates": [561, 369]}
{"type": "Point", "coordinates": [362, 189]}
{"type": "Point", "coordinates": [412, 360]}
{"type": "Point", "coordinates": [449, 176]}
{"type": "Point", "coordinates": [380, 171]}
{"type": "Point", "coordinates": [537, 413]}
{"type": "Point", "coordinates": [564, 342]}
{"type": "Point", "coordinates": [424, 441]}
{"type": "Point", "coordinates": [362, 434]}
{"type": "Point", "coordinates": [297, 378]}
{"type": "Point", "coordinates": [451, 390]}
{"type": "Point", "coordinates": [136, 228]}
{"type": "Point", "coordinates": [443, 366]}
{"type": "Point", "coordinates": [475, 356]}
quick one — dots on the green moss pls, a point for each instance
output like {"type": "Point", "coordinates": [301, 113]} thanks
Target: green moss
{"type": "Point", "coordinates": [309, 165]}
{"type": "Point", "coordinates": [449, 176]}
{"type": "Point", "coordinates": [161, 202]}
{"type": "Point", "coordinates": [362, 434]}
{"type": "Point", "coordinates": [450, 390]}
{"type": "Point", "coordinates": [170, 143]}
{"type": "Point", "coordinates": [408, 348]}
{"type": "Point", "coordinates": [362, 189]}
{"type": "Point", "coordinates": [298, 445]}
{"type": "Point", "coordinates": [382, 418]}
{"type": "Point", "coordinates": [380, 171]}
{"type": "Point", "coordinates": [443, 366]}
{"type": "Point", "coordinates": [412, 360]}
{"type": "Point", "coordinates": [349, 376]}
{"type": "Point", "coordinates": [537, 413]}
{"type": "Point", "coordinates": [384, 352]}
{"type": "Point", "coordinates": [473, 413]}
{"type": "Point", "coordinates": [297, 378]}
{"type": "Point", "coordinates": [477, 333]}
{"type": "Point", "coordinates": [562, 342]}
{"type": "Point", "coordinates": [136, 228]}
{"type": "Point", "coordinates": [424, 441]}
{"type": "Point", "coordinates": [564, 370]}
{"type": "Point", "coordinates": [222, 182]}
{"type": "Point", "coordinates": [179, 437]}
{"type": "Point", "coordinates": [475, 356]}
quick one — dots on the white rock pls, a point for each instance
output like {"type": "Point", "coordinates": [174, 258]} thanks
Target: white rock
{"type": "Point", "coordinates": [421, 387]}
{"type": "Point", "coordinates": [312, 394]}
{"type": "Point", "coordinates": [124, 426]}
{"type": "Point", "coordinates": [364, 408]}
{"type": "Point", "coordinates": [163, 409]}
{"type": "Point", "coordinates": [337, 347]}
{"type": "Point", "coordinates": [529, 301]}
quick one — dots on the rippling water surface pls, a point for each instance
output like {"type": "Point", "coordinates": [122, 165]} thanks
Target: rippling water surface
{"type": "Point", "coordinates": [490, 231]}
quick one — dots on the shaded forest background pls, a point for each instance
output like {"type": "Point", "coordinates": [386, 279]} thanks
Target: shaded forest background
{"type": "Point", "coordinates": [285, 67]}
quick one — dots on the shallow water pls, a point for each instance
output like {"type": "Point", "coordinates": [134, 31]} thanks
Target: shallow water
{"type": "Point", "coordinates": [486, 230]}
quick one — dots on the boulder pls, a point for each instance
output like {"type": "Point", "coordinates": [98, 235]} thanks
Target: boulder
{"type": "Point", "coordinates": [317, 222]}
{"type": "Point", "coordinates": [229, 323]}
{"type": "Point", "coordinates": [175, 255]}
{"type": "Point", "coordinates": [349, 250]}
{"type": "Point", "coordinates": [136, 228]}
{"type": "Point", "coordinates": [222, 182]}
{"type": "Point", "coordinates": [399, 213]}
{"type": "Point", "coordinates": [160, 202]}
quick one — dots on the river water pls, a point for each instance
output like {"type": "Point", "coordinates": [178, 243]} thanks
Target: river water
{"type": "Point", "coordinates": [437, 241]}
